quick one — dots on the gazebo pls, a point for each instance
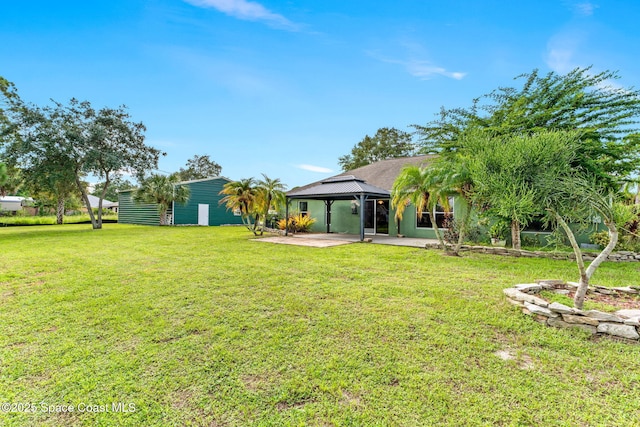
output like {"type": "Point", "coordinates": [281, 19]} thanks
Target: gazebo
{"type": "Point", "coordinates": [342, 187]}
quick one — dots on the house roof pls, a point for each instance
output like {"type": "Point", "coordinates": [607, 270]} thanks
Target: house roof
{"type": "Point", "coordinates": [378, 177]}
{"type": "Point", "coordinates": [93, 201]}
{"type": "Point", "coordinates": [14, 199]}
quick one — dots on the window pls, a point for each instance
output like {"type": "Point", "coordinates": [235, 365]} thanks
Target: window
{"type": "Point", "coordinates": [424, 218]}
{"type": "Point", "coordinates": [303, 208]}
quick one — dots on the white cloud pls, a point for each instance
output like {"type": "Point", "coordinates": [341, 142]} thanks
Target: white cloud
{"type": "Point", "coordinates": [248, 11]}
{"type": "Point", "coordinates": [561, 51]}
{"type": "Point", "coordinates": [313, 168]}
{"type": "Point", "coordinates": [424, 70]}
{"type": "Point", "coordinates": [585, 9]}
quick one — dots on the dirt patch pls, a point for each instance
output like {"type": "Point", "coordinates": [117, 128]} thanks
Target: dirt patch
{"type": "Point", "coordinates": [619, 302]}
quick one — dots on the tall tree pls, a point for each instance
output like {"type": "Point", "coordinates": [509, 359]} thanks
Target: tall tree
{"type": "Point", "coordinates": [163, 191]}
{"type": "Point", "coordinates": [117, 184]}
{"type": "Point", "coordinates": [200, 167]}
{"type": "Point", "coordinates": [387, 143]}
{"type": "Point", "coordinates": [114, 144]}
{"type": "Point", "coordinates": [606, 115]}
{"type": "Point", "coordinates": [102, 142]}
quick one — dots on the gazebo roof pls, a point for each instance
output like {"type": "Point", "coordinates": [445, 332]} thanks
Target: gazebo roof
{"type": "Point", "coordinates": [342, 187]}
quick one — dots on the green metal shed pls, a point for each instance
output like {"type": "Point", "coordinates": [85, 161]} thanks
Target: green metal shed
{"type": "Point", "coordinates": [131, 212]}
{"type": "Point", "coordinates": [203, 207]}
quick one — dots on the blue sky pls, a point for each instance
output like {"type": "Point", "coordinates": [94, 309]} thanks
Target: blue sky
{"type": "Point", "coordinates": [287, 87]}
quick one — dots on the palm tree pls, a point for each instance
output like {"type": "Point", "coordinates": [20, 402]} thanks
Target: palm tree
{"type": "Point", "coordinates": [269, 195]}
{"type": "Point", "coordinates": [456, 178]}
{"type": "Point", "coordinates": [424, 188]}
{"type": "Point", "coordinates": [163, 191]}
{"type": "Point", "coordinates": [241, 196]}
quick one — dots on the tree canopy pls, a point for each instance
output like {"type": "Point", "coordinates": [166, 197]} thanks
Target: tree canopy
{"type": "Point", "coordinates": [200, 167]}
{"type": "Point", "coordinates": [606, 115]}
{"type": "Point", "coordinates": [4, 176]}
{"type": "Point", "coordinates": [74, 138]}
{"type": "Point", "coordinates": [387, 143]}
{"type": "Point", "coordinates": [117, 184]}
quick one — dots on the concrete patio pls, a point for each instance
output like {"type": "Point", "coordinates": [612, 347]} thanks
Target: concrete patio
{"type": "Point", "coordinates": [335, 239]}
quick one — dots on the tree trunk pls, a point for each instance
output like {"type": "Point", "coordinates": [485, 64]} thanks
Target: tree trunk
{"type": "Point", "coordinates": [104, 192]}
{"type": "Point", "coordinates": [60, 210]}
{"type": "Point", "coordinates": [436, 230]}
{"type": "Point", "coordinates": [462, 229]}
{"type": "Point", "coordinates": [85, 199]}
{"type": "Point", "coordinates": [163, 217]}
{"type": "Point", "coordinates": [515, 234]}
{"type": "Point", "coordinates": [613, 240]}
{"type": "Point", "coordinates": [583, 286]}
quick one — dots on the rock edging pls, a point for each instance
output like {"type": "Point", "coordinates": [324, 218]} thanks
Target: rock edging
{"type": "Point", "coordinates": [621, 256]}
{"type": "Point", "coordinates": [621, 324]}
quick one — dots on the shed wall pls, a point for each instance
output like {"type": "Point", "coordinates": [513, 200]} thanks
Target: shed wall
{"type": "Point", "coordinates": [205, 192]}
{"type": "Point", "coordinates": [130, 212]}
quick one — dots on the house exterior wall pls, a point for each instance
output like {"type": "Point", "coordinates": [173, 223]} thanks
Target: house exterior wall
{"type": "Point", "coordinates": [205, 192]}
{"type": "Point", "coordinates": [344, 221]}
{"type": "Point", "coordinates": [11, 205]}
{"type": "Point", "coordinates": [131, 212]}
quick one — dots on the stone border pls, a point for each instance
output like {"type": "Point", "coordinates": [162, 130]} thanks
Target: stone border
{"type": "Point", "coordinates": [621, 256]}
{"type": "Point", "coordinates": [622, 323]}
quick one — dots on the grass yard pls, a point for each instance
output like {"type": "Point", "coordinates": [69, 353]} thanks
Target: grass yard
{"type": "Point", "coordinates": [50, 219]}
{"type": "Point", "coordinates": [202, 326]}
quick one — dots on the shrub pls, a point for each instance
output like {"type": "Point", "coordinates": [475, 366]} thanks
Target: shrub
{"type": "Point", "coordinates": [298, 223]}
{"type": "Point", "coordinates": [626, 242]}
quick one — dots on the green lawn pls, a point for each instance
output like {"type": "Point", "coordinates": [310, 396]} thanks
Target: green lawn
{"type": "Point", "coordinates": [202, 326]}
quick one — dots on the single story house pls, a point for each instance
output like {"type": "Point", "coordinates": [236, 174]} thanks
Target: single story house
{"type": "Point", "coordinates": [94, 203]}
{"type": "Point", "coordinates": [359, 202]}
{"type": "Point", "coordinates": [202, 208]}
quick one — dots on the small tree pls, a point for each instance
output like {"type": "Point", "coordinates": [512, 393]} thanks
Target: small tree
{"type": "Point", "coordinates": [241, 196]}
{"type": "Point", "coordinates": [422, 187]}
{"type": "Point", "coordinates": [577, 200]}
{"type": "Point", "coordinates": [507, 170]}
{"type": "Point", "coordinates": [163, 191]}
{"type": "Point", "coordinates": [253, 199]}
{"type": "Point", "coordinates": [269, 195]}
